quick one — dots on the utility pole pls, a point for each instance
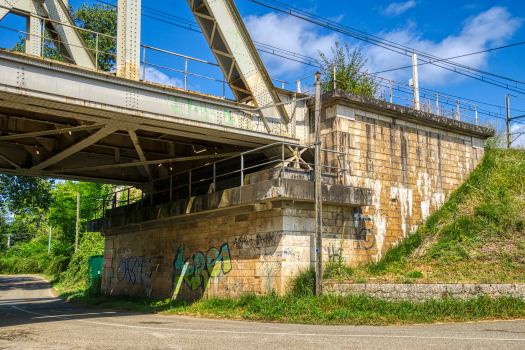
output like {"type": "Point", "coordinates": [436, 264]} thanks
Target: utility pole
{"type": "Point", "coordinates": [415, 81]}
{"type": "Point", "coordinates": [318, 192]}
{"type": "Point", "coordinates": [8, 240]}
{"type": "Point", "coordinates": [49, 246]}
{"type": "Point", "coordinates": [78, 219]}
{"type": "Point", "coordinates": [507, 118]}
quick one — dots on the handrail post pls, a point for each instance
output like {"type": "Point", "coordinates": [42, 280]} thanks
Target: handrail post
{"type": "Point", "coordinates": [214, 175]}
{"type": "Point", "coordinates": [344, 168]}
{"type": "Point", "coordinates": [144, 64]}
{"type": "Point", "coordinates": [282, 172]}
{"type": "Point", "coordinates": [104, 207]}
{"type": "Point", "coordinates": [335, 84]}
{"type": "Point", "coordinates": [458, 109]}
{"type": "Point", "coordinates": [151, 195]}
{"type": "Point", "coordinates": [476, 108]}
{"type": "Point", "coordinates": [437, 105]}
{"type": "Point", "coordinates": [96, 53]}
{"type": "Point", "coordinates": [186, 75]}
{"type": "Point", "coordinates": [190, 184]}
{"type": "Point", "coordinates": [171, 188]}
{"type": "Point", "coordinates": [242, 169]}
{"type": "Point", "coordinates": [41, 35]}
{"type": "Point", "coordinates": [390, 86]}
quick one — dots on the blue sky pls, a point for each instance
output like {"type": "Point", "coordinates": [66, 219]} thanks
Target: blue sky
{"type": "Point", "coordinates": [445, 29]}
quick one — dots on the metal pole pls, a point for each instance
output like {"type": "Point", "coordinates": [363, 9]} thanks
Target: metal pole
{"type": "Point", "coordinates": [390, 85]}
{"type": "Point", "coordinates": [415, 81]}
{"type": "Point", "coordinates": [186, 77]}
{"type": "Point", "coordinates": [476, 109]}
{"type": "Point", "coordinates": [151, 194]}
{"type": "Point", "coordinates": [190, 184]}
{"type": "Point", "coordinates": [457, 112]}
{"type": "Point", "coordinates": [335, 85]}
{"type": "Point", "coordinates": [96, 53]}
{"type": "Point", "coordinates": [214, 175]}
{"type": "Point", "coordinates": [42, 35]}
{"type": "Point", "coordinates": [242, 169]}
{"type": "Point", "coordinates": [437, 105]}
{"type": "Point", "coordinates": [318, 192]}
{"type": "Point", "coordinates": [507, 118]}
{"type": "Point", "coordinates": [49, 245]}
{"type": "Point", "coordinates": [298, 86]}
{"type": "Point", "coordinates": [78, 219]}
{"type": "Point", "coordinates": [144, 65]}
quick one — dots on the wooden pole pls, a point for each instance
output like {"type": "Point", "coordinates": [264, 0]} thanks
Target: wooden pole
{"type": "Point", "coordinates": [78, 220]}
{"type": "Point", "coordinates": [318, 192]}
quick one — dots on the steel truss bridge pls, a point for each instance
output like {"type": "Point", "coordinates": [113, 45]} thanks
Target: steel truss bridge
{"type": "Point", "coordinates": [73, 121]}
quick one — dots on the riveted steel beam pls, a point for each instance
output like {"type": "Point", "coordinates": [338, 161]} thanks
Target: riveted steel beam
{"type": "Point", "coordinates": [128, 39]}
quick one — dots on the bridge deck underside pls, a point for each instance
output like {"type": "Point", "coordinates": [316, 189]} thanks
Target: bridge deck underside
{"type": "Point", "coordinates": [60, 121]}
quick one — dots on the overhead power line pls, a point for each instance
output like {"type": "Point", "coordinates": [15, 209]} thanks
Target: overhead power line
{"type": "Point", "coordinates": [389, 45]}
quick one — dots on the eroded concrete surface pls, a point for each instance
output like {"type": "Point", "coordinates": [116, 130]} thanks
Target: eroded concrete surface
{"type": "Point", "coordinates": [32, 318]}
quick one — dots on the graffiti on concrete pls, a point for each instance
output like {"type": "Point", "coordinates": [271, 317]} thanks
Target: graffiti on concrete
{"type": "Point", "coordinates": [136, 271]}
{"type": "Point", "coordinates": [197, 270]}
{"type": "Point", "coordinates": [364, 235]}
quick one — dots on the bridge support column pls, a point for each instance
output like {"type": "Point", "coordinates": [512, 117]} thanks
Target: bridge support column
{"type": "Point", "coordinates": [128, 39]}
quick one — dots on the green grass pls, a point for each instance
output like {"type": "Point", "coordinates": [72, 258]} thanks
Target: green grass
{"type": "Point", "coordinates": [333, 310]}
{"type": "Point", "coordinates": [478, 235]}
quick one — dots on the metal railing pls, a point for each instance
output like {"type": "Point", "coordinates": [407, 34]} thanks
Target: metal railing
{"type": "Point", "coordinates": [97, 52]}
{"type": "Point", "coordinates": [169, 187]}
{"type": "Point", "coordinates": [441, 105]}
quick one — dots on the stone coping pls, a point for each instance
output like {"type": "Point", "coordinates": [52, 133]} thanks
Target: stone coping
{"type": "Point", "coordinates": [424, 291]}
{"type": "Point", "coordinates": [260, 192]}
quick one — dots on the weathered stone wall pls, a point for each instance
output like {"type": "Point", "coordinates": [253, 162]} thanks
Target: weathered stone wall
{"type": "Point", "coordinates": [255, 248]}
{"type": "Point", "coordinates": [421, 292]}
{"type": "Point", "coordinates": [411, 162]}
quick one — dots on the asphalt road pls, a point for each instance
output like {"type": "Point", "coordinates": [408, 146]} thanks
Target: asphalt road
{"type": "Point", "coordinates": [32, 318]}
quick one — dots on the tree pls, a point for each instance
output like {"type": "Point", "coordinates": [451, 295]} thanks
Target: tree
{"type": "Point", "coordinates": [98, 18]}
{"type": "Point", "coordinates": [349, 74]}
{"type": "Point", "coordinates": [25, 195]}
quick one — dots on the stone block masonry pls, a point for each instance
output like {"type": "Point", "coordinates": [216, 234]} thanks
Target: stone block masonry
{"type": "Point", "coordinates": [411, 160]}
{"type": "Point", "coordinates": [422, 292]}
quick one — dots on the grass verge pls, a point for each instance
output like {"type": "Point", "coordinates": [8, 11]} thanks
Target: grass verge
{"type": "Point", "coordinates": [300, 306]}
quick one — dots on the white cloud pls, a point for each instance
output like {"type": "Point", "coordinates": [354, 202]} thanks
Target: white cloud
{"type": "Point", "coordinates": [488, 29]}
{"type": "Point", "coordinates": [398, 8]}
{"type": "Point", "coordinates": [291, 34]}
{"type": "Point", "coordinates": [156, 76]}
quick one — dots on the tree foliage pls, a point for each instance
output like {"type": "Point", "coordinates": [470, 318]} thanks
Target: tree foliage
{"type": "Point", "coordinates": [25, 195]}
{"type": "Point", "coordinates": [349, 73]}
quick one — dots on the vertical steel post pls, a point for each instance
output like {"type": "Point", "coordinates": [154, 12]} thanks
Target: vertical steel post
{"type": "Point", "coordinates": [42, 35]}
{"type": "Point", "coordinates": [335, 84]}
{"type": "Point", "coordinates": [390, 85]}
{"type": "Point", "coordinates": [214, 175]}
{"type": "Point", "coordinates": [318, 192]}
{"type": "Point", "coordinates": [282, 171]}
{"type": "Point", "coordinates": [78, 220]}
{"type": "Point", "coordinates": [190, 184]}
{"type": "Point", "coordinates": [344, 168]}
{"type": "Point", "coordinates": [144, 64]}
{"type": "Point", "coordinates": [437, 105]}
{"type": "Point", "coordinates": [507, 118]}
{"type": "Point", "coordinates": [96, 52]}
{"type": "Point", "coordinates": [186, 75]}
{"type": "Point", "coordinates": [415, 81]}
{"type": "Point", "coordinates": [49, 245]}
{"type": "Point", "coordinates": [457, 112]}
{"type": "Point", "coordinates": [476, 109]}
{"type": "Point", "coordinates": [298, 86]}
{"type": "Point", "coordinates": [151, 194]}
{"type": "Point", "coordinates": [242, 169]}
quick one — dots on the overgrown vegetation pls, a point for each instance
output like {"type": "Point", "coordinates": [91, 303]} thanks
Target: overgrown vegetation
{"type": "Point", "coordinates": [32, 207]}
{"type": "Point", "coordinates": [350, 74]}
{"type": "Point", "coordinates": [477, 236]}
